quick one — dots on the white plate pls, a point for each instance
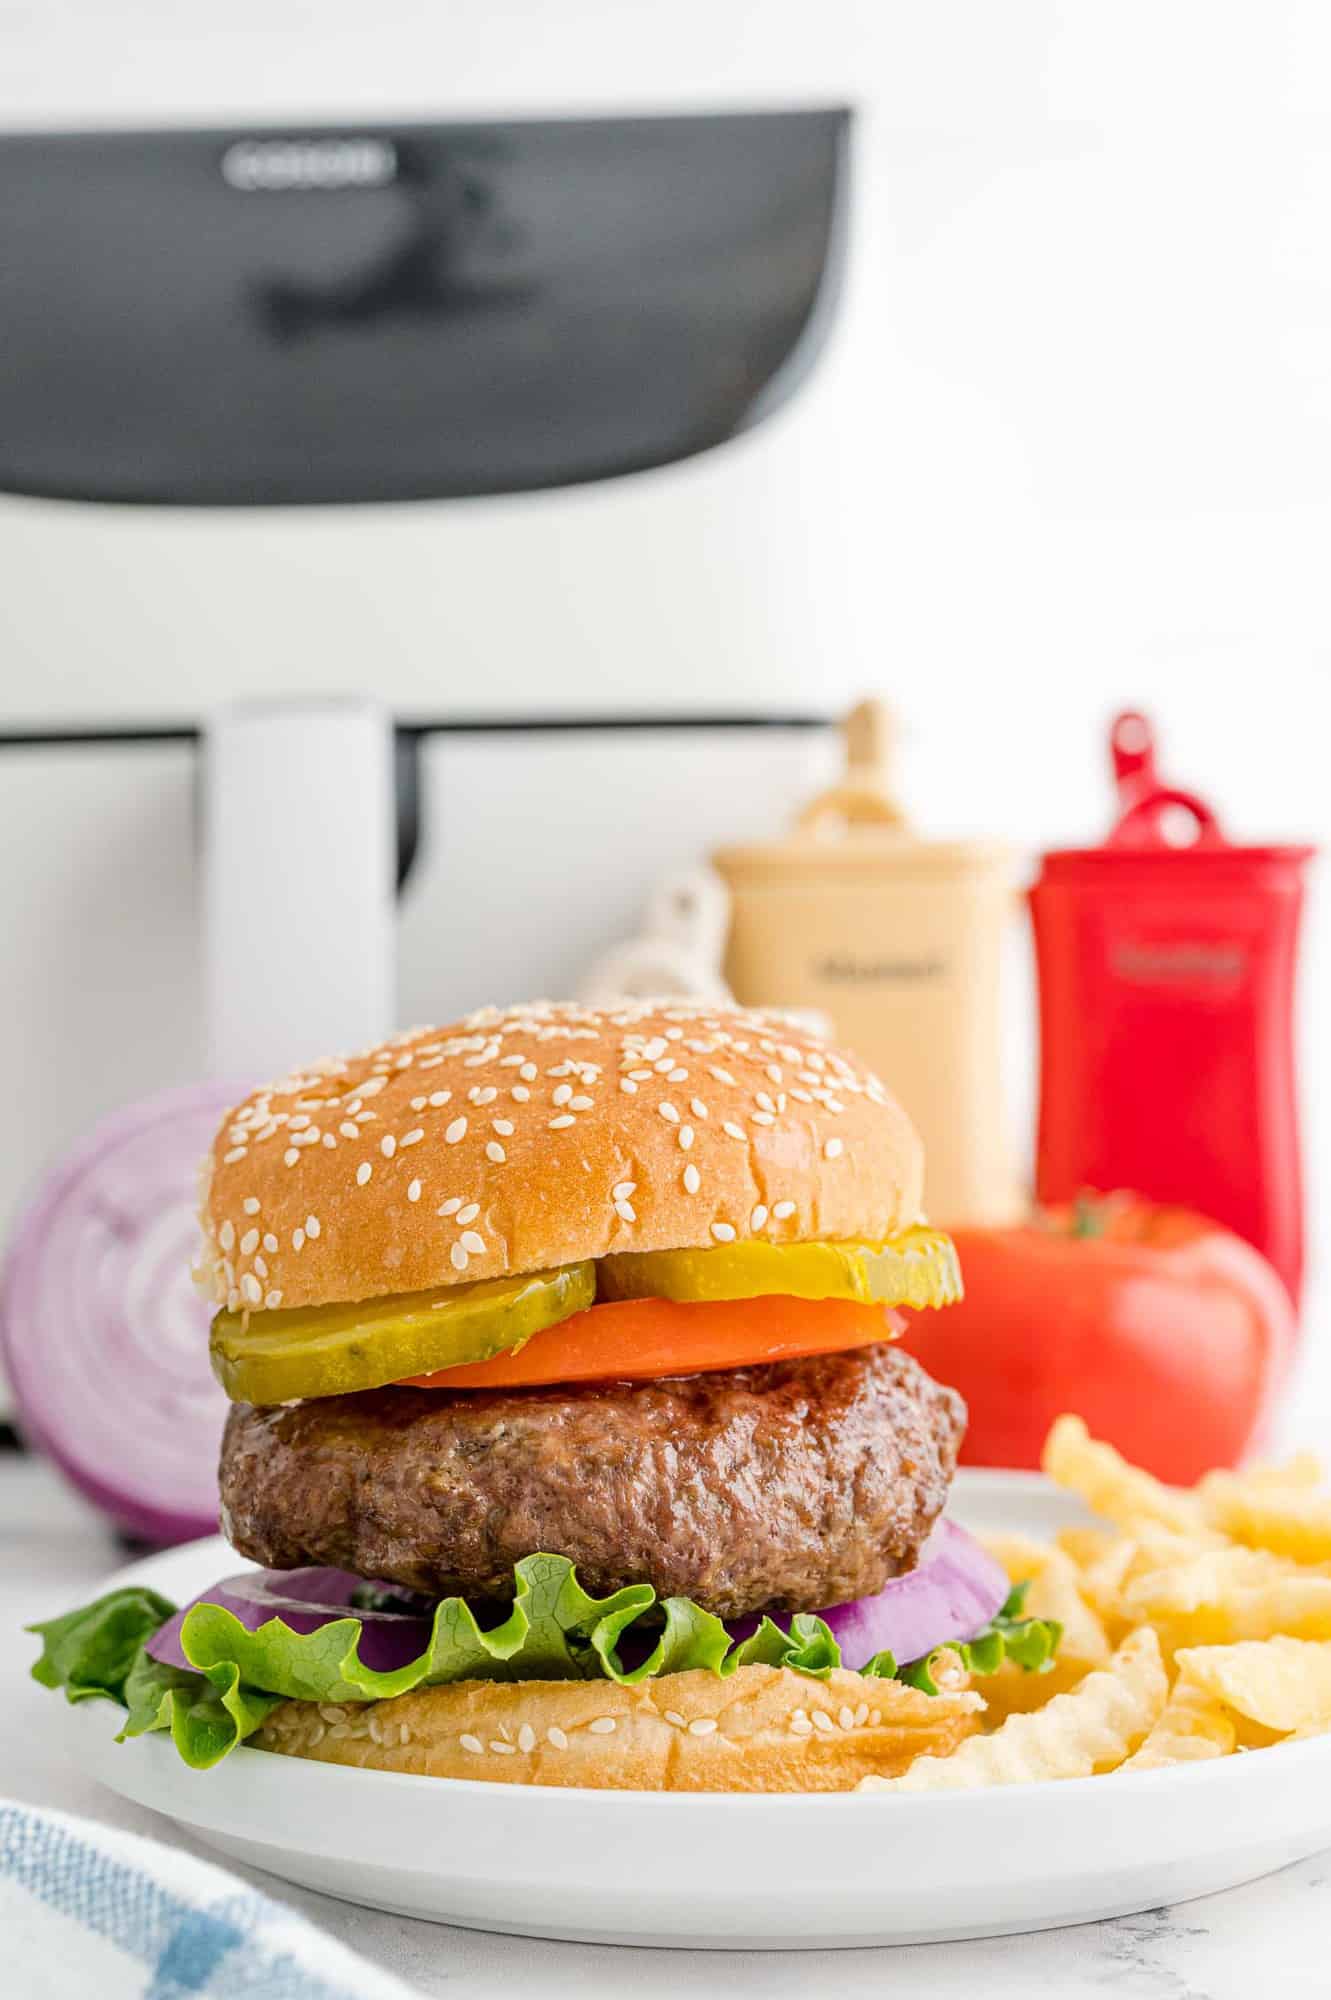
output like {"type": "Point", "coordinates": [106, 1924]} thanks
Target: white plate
{"type": "Point", "coordinates": [737, 1871]}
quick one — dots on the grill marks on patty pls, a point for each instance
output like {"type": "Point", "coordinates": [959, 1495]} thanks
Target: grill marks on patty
{"type": "Point", "coordinates": [780, 1488]}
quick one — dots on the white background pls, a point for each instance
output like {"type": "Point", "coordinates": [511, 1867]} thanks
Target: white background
{"type": "Point", "coordinates": [1071, 446]}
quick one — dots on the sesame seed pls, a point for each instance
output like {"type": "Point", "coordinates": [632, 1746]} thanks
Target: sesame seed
{"type": "Point", "coordinates": [564, 1119]}
{"type": "Point", "coordinates": [367, 1118]}
{"type": "Point", "coordinates": [580, 1104]}
{"type": "Point", "coordinates": [473, 1244]}
{"type": "Point", "coordinates": [685, 1136]}
{"type": "Point", "coordinates": [800, 1096]}
{"type": "Point", "coordinates": [438, 1098]}
{"type": "Point", "coordinates": [413, 1191]}
{"type": "Point", "coordinates": [721, 1075]}
{"type": "Point", "coordinates": [526, 1737]}
{"type": "Point", "coordinates": [602, 1726]}
{"type": "Point", "coordinates": [628, 1086]}
{"type": "Point", "coordinates": [697, 1107]}
{"type": "Point", "coordinates": [363, 1172]}
{"type": "Point", "coordinates": [846, 1716]}
{"type": "Point", "coordinates": [557, 1738]}
{"type": "Point", "coordinates": [260, 1268]}
{"type": "Point", "coordinates": [861, 1715]}
{"type": "Point", "coordinates": [763, 1101]}
{"type": "Point", "coordinates": [822, 1720]}
{"type": "Point", "coordinates": [251, 1204]}
{"type": "Point", "coordinates": [412, 1138]}
{"type": "Point", "coordinates": [469, 1213]}
{"type": "Point", "coordinates": [328, 1140]}
{"type": "Point", "coordinates": [702, 1725]}
{"type": "Point", "coordinates": [733, 1131]}
{"type": "Point", "coordinates": [519, 1093]}
{"type": "Point", "coordinates": [451, 1206]}
{"type": "Point", "coordinates": [494, 1151]}
{"type": "Point", "coordinates": [783, 1210]}
{"type": "Point", "coordinates": [456, 1131]}
{"type": "Point", "coordinates": [270, 1243]}
{"type": "Point", "coordinates": [298, 1239]}
{"type": "Point", "coordinates": [641, 1075]}
{"type": "Point", "coordinates": [529, 1072]}
{"type": "Point", "coordinates": [419, 1103]}
{"type": "Point", "coordinates": [623, 1189]}
{"type": "Point", "coordinates": [758, 1218]}
{"type": "Point", "coordinates": [833, 1149]}
{"type": "Point", "coordinates": [724, 1232]}
{"type": "Point", "coordinates": [504, 1749]}
{"type": "Point", "coordinates": [388, 1145]}
{"type": "Point", "coordinates": [312, 1225]}
{"type": "Point", "coordinates": [472, 1743]}
{"type": "Point", "coordinates": [249, 1243]}
{"type": "Point", "coordinates": [664, 1067]}
{"type": "Point", "coordinates": [226, 1235]}
{"type": "Point", "coordinates": [673, 1715]}
{"type": "Point", "coordinates": [763, 1117]}
{"type": "Point", "coordinates": [692, 1179]}
{"type": "Point", "coordinates": [348, 1129]}
{"type": "Point", "coordinates": [485, 1096]}
{"type": "Point", "coordinates": [236, 1153]}
{"type": "Point", "coordinates": [562, 1093]}
{"type": "Point", "coordinates": [291, 1155]}
{"type": "Point", "coordinates": [458, 1257]}
{"type": "Point", "coordinates": [504, 1127]}
{"type": "Point", "coordinates": [668, 1111]}
{"type": "Point", "coordinates": [626, 1211]}
{"type": "Point", "coordinates": [800, 1723]}
{"type": "Point", "coordinates": [251, 1289]}
{"type": "Point", "coordinates": [272, 1300]}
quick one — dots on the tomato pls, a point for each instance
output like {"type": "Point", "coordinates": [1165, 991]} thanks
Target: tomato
{"type": "Point", "coordinates": [1168, 1334]}
{"type": "Point", "coordinates": [634, 1339]}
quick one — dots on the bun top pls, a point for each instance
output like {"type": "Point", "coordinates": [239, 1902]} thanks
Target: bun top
{"type": "Point", "coordinates": [520, 1140]}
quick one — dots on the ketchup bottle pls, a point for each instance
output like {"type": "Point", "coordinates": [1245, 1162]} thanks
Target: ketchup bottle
{"type": "Point", "coordinates": [1166, 965]}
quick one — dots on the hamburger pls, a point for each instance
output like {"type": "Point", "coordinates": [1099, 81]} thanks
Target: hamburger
{"type": "Point", "coordinates": [567, 1431]}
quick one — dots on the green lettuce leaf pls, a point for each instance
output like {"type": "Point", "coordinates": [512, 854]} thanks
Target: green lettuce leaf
{"type": "Point", "coordinates": [554, 1631]}
{"type": "Point", "coordinates": [91, 1651]}
{"type": "Point", "coordinates": [1030, 1642]}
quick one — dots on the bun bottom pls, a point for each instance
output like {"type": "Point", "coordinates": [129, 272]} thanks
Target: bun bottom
{"type": "Point", "coordinates": [764, 1729]}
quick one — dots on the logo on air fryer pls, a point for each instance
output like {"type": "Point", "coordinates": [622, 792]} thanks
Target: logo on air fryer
{"type": "Point", "coordinates": [304, 166]}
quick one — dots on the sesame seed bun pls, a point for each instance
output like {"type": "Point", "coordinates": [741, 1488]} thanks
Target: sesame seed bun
{"type": "Point", "coordinates": [763, 1729]}
{"type": "Point", "coordinates": [513, 1142]}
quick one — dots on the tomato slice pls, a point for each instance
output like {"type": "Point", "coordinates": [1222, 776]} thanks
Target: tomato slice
{"type": "Point", "coordinates": [635, 1339]}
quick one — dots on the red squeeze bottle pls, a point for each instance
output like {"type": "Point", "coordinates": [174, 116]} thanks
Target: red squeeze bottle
{"type": "Point", "coordinates": [1166, 975]}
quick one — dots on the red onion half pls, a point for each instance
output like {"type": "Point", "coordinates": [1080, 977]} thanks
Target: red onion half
{"type": "Point", "coordinates": [105, 1337]}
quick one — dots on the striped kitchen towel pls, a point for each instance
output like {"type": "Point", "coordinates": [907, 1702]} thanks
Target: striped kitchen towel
{"type": "Point", "coordinates": [90, 1913]}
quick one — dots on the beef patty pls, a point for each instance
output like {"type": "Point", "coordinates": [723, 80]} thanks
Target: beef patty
{"type": "Point", "coordinates": [780, 1488]}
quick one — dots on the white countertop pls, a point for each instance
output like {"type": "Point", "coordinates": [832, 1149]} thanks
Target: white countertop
{"type": "Point", "coordinates": [1272, 1935]}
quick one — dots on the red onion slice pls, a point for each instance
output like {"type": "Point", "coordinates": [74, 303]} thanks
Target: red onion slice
{"type": "Point", "coordinates": [954, 1589]}
{"type": "Point", "coordinates": [105, 1337]}
{"type": "Point", "coordinates": [305, 1599]}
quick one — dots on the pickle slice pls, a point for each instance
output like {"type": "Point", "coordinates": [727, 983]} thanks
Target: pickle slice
{"type": "Point", "coordinates": [916, 1268]}
{"type": "Point", "coordinates": [283, 1357]}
